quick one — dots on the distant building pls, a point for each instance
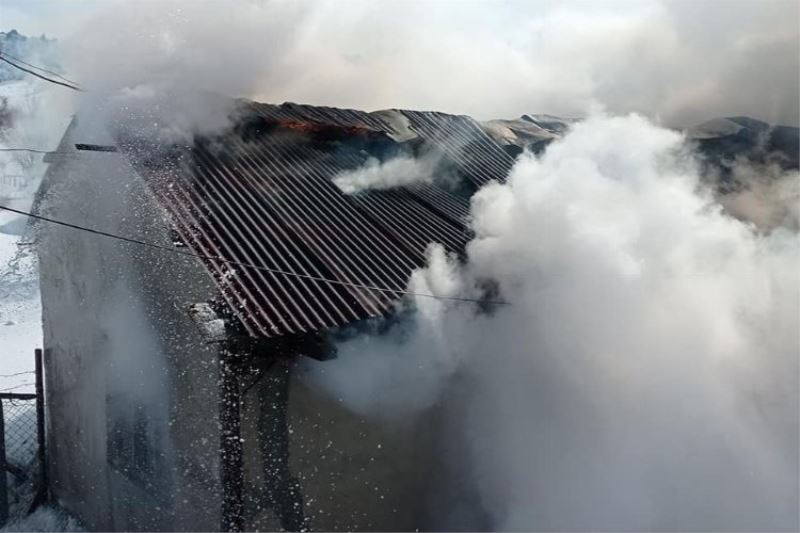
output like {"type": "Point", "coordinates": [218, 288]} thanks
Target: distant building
{"type": "Point", "coordinates": [173, 400]}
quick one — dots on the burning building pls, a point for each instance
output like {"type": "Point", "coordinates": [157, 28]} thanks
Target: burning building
{"type": "Point", "coordinates": [173, 395]}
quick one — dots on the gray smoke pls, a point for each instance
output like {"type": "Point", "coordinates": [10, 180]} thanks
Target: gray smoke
{"type": "Point", "coordinates": [766, 195]}
{"type": "Point", "coordinates": [396, 172]}
{"type": "Point", "coordinates": [677, 62]}
{"type": "Point", "coordinates": [645, 375]}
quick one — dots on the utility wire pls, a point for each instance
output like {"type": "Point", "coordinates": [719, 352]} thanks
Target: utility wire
{"type": "Point", "coordinates": [18, 386]}
{"type": "Point", "coordinates": [249, 265]}
{"type": "Point", "coordinates": [72, 85]}
{"type": "Point", "coordinates": [51, 80]}
{"type": "Point", "coordinates": [33, 150]}
{"type": "Point", "coordinates": [56, 74]}
{"type": "Point", "coordinates": [17, 374]}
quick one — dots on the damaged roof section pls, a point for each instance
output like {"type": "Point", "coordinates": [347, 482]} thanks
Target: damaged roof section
{"type": "Point", "coordinates": [263, 194]}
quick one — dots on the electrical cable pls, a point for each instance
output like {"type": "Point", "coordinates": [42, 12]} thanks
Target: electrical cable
{"type": "Point", "coordinates": [33, 150]}
{"type": "Point", "coordinates": [40, 76]}
{"type": "Point", "coordinates": [18, 387]}
{"type": "Point", "coordinates": [18, 60]}
{"type": "Point", "coordinates": [17, 374]}
{"type": "Point", "coordinates": [249, 265]}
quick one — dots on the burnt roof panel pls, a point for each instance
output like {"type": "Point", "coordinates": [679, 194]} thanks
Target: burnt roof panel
{"type": "Point", "coordinates": [264, 195]}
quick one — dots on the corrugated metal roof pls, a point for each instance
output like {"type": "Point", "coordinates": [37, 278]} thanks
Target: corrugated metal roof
{"type": "Point", "coordinates": [263, 194]}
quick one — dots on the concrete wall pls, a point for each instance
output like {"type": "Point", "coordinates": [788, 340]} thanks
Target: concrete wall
{"type": "Point", "coordinates": [131, 386]}
{"type": "Point", "coordinates": [312, 463]}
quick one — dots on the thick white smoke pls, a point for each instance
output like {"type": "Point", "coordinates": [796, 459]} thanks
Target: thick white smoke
{"type": "Point", "coordinates": [765, 195]}
{"type": "Point", "coordinates": [683, 62]}
{"type": "Point", "coordinates": [645, 373]}
{"type": "Point", "coordinates": [396, 172]}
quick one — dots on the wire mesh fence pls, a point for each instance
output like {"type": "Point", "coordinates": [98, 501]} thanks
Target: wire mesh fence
{"type": "Point", "coordinates": [21, 463]}
{"type": "Point", "coordinates": [20, 432]}
{"type": "Point", "coordinates": [22, 454]}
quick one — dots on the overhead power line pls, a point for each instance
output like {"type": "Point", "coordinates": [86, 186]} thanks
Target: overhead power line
{"type": "Point", "coordinates": [18, 386]}
{"type": "Point", "coordinates": [56, 74]}
{"type": "Point", "coordinates": [41, 76]}
{"type": "Point", "coordinates": [17, 374]}
{"type": "Point", "coordinates": [33, 150]}
{"type": "Point", "coordinates": [249, 265]}
{"type": "Point", "coordinates": [78, 147]}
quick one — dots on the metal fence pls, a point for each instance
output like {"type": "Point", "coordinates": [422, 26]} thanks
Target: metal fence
{"type": "Point", "coordinates": [22, 457]}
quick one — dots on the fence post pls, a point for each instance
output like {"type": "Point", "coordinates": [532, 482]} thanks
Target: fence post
{"type": "Point", "coordinates": [43, 483]}
{"type": "Point", "coordinates": [3, 470]}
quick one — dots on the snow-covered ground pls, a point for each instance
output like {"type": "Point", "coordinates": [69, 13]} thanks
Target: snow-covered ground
{"type": "Point", "coordinates": [39, 115]}
{"type": "Point", "coordinates": [20, 314]}
{"type": "Point", "coordinates": [36, 116]}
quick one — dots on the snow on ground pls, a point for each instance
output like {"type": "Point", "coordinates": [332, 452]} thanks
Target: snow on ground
{"type": "Point", "coordinates": [20, 315]}
{"type": "Point", "coordinates": [38, 119]}
{"type": "Point", "coordinates": [39, 116]}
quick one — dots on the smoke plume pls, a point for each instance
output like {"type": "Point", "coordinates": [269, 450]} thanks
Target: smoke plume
{"type": "Point", "coordinates": [396, 172]}
{"type": "Point", "coordinates": [675, 61]}
{"type": "Point", "coordinates": [645, 373]}
{"type": "Point", "coordinates": [766, 195]}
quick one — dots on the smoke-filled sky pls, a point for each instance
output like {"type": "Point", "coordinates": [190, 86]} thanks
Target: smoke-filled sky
{"type": "Point", "coordinates": [645, 374]}
{"type": "Point", "coordinates": [678, 62]}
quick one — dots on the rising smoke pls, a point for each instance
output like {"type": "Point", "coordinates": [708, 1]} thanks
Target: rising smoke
{"type": "Point", "coordinates": [766, 195]}
{"type": "Point", "coordinates": [680, 62]}
{"type": "Point", "coordinates": [396, 172]}
{"type": "Point", "coordinates": [645, 375]}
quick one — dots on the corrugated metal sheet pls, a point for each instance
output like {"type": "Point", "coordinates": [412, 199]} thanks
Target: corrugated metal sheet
{"type": "Point", "coordinates": [473, 152]}
{"type": "Point", "coordinates": [263, 194]}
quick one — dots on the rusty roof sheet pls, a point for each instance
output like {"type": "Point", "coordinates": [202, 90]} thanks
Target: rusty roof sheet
{"type": "Point", "coordinates": [263, 194]}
